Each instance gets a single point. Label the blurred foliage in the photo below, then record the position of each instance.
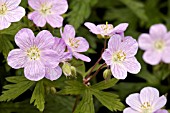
(66, 94)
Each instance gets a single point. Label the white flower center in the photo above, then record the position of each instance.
(33, 53)
(159, 45)
(3, 9)
(119, 56)
(74, 42)
(45, 9)
(146, 107)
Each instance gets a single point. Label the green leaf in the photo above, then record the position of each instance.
(80, 66)
(38, 95)
(61, 104)
(105, 84)
(110, 100)
(86, 105)
(80, 10)
(136, 7)
(5, 45)
(14, 90)
(73, 87)
(13, 29)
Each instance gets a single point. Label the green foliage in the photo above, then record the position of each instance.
(5, 45)
(108, 99)
(86, 105)
(80, 10)
(14, 90)
(13, 29)
(136, 7)
(38, 95)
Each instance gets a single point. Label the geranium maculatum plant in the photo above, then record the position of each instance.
(59, 56)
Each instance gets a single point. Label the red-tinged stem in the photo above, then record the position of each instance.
(98, 59)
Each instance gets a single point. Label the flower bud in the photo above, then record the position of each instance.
(66, 69)
(73, 71)
(107, 74)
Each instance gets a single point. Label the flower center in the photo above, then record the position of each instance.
(46, 9)
(3, 9)
(107, 27)
(74, 42)
(119, 56)
(33, 53)
(159, 45)
(146, 108)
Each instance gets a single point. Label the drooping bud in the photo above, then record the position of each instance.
(107, 74)
(73, 71)
(66, 69)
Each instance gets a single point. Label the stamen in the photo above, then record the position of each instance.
(119, 56)
(3, 9)
(33, 53)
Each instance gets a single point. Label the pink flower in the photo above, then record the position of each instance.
(156, 45)
(75, 44)
(59, 47)
(10, 12)
(106, 30)
(120, 56)
(49, 11)
(148, 101)
(34, 54)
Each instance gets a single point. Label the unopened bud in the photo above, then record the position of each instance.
(107, 74)
(73, 71)
(53, 90)
(66, 69)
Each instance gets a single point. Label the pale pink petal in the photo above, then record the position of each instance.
(17, 58)
(44, 40)
(69, 32)
(60, 6)
(66, 56)
(15, 15)
(159, 103)
(132, 65)
(152, 57)
(25, 38)
(149, 94)
(161, 111)
(37, 18)
(49, 58)
(12, 4)
(166, 55)
(120, 28)
(93, 28)
(129, 46)
(134, 102)
(59, 45)
(53, 73)
(107, 56)
(34, 70)
(130, 110)
(83, 45)
(157, 31)
(55, 20)
(81, 57)
(35, 4)
(119, 71)
(4, 23)
(166, 39)
(114, 43)
(145, 41)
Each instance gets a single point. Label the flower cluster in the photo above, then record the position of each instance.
(40, 56)
(43, 55)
